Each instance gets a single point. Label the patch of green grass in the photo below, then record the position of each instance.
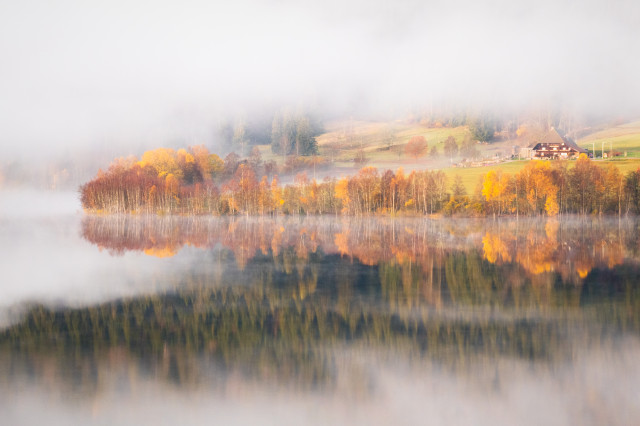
(625, 165)
(472, 175)
(622, 138)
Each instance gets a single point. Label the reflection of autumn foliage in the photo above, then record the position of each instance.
(536, 247)
(554, 249)
(340, 240)
(441, 290)
(494, 248)
(166, 251)
(539, 254)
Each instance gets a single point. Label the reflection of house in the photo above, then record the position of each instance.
(552, 145)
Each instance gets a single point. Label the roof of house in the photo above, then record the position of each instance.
(553, 136)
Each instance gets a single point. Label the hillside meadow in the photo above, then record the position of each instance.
(384, 147)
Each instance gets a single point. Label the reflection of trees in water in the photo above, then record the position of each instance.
(571, 251)
(569, 247)
(250, 332)
(417, 262)
(286, 295)
(287, 292)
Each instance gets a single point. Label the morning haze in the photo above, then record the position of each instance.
(320, 212)
(76, 75)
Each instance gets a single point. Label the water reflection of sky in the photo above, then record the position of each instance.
(320, 320)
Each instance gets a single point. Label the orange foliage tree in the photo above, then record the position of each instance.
(416, 146)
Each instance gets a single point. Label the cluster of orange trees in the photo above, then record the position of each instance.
(195, 181)
(552, 187)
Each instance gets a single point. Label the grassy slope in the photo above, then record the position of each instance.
(472, 175)
(625, 137)
(342, 144)
(372, 138)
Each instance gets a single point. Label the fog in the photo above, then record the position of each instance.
(45, 261)
(597, 388)
(77, 75)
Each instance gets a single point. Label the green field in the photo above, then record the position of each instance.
(622, 138)
(472, 175)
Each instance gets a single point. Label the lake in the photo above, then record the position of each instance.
(318, 320)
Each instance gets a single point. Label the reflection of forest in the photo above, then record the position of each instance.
(570, 248)
(286, 293)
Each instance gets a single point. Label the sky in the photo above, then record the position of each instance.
(77, 74)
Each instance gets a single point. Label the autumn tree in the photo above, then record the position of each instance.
(187, 163)
(342, 194)
(164, 160)
(367, 189)
(231, 162)
(202, 161)
(614, 186)
(457, 189)
(399, 190)
(385, 190)
(494, 190)
(242, 190)
(450, 147)
(632, 190)
(586, 185)
(416, 146)
(539, 188)
(216, 166)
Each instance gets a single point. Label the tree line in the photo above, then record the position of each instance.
(195, 181)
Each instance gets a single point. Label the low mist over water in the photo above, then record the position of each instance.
(131, 319)
(142, 287)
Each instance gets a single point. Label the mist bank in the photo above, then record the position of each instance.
(22, 203)
(599, 386)
(83, 75)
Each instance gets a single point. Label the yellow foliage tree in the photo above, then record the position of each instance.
(541, 192)
(495, 189)
(342, 193)
(164, 160)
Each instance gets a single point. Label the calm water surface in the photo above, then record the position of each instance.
(319, 320)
